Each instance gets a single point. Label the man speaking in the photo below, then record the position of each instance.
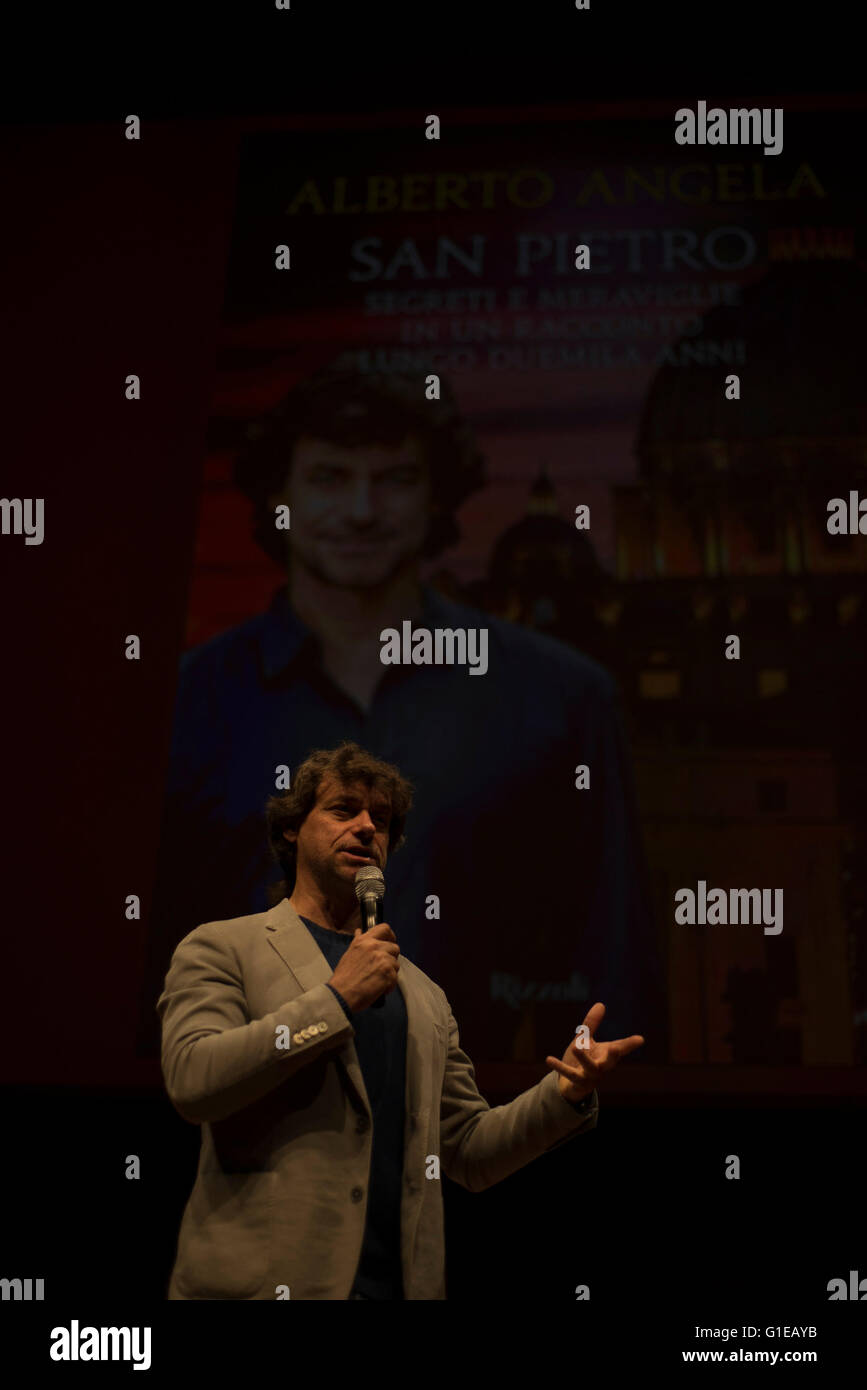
(325, 1121)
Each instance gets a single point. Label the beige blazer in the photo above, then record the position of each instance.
(279, 1201)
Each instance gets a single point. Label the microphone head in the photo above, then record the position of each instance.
(369, 882)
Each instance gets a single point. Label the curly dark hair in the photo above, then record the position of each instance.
(347, 407)
(348, 763)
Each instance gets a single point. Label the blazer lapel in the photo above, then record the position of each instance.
(295, 946)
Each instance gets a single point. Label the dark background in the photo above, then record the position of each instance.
(111, 266)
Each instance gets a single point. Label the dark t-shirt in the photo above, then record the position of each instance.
(380, 1041)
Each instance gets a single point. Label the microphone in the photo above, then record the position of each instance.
(370, 891)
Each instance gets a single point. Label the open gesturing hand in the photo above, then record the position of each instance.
(581, 1067)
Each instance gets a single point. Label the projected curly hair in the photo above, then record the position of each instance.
(348, 763)
(346, 407)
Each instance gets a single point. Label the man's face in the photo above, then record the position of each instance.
(357, 516)
(346, 829)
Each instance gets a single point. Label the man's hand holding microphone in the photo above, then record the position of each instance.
(368, 967)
